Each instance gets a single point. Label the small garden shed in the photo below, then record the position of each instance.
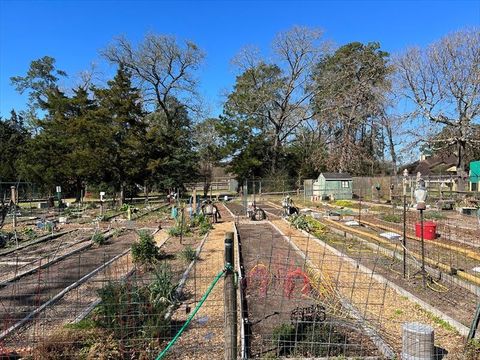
(333, 186)
(475, 176)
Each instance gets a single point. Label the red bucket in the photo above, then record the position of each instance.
(429, 230)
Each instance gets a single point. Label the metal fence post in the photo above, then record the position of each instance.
(230, 297)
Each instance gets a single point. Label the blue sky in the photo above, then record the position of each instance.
(73, 32)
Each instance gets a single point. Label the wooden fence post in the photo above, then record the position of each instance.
(230, 297)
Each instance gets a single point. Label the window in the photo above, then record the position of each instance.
(345, 184)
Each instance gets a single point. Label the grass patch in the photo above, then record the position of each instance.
(397, 219)
(99, 239)
(433, 215)
(188, 254)
(346, 203)
(472, 350)
(84, 324)
(437, 320)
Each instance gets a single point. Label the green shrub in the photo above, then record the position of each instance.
(99, 239)
(49, 226)
(188, 254)
(205, 228)
(145, 251)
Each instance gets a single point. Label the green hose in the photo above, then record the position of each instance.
(202, 300)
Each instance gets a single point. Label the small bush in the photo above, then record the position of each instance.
(145, 251)
(99, 239)
(188, 254)
(299, 221)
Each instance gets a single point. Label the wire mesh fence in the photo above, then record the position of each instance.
(340, 278)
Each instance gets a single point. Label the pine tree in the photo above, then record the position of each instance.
(120, 106)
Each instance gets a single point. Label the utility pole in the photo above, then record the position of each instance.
(230, 296)
(405, 179)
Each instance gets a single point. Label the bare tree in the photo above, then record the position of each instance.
(277, 94)
(164, 68)
(443, 83)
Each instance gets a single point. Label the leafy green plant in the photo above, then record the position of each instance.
(299, 221)
(188, 254)
(309, 224)
(162, 288)
(99, 239)
(145, 251)
(91, 205)
(124, 207)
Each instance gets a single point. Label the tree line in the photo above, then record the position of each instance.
(303, 108)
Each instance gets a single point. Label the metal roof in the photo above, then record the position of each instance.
(337, 176)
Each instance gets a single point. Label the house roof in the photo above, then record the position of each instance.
(337, 176)
(434, 165)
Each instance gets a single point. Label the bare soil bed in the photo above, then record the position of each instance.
(278, 293)
(451, 299)
(21, 297)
